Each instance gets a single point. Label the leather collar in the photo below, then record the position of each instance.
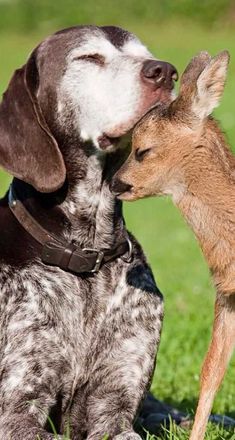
(67, 256)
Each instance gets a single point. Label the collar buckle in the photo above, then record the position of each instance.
(99, 258)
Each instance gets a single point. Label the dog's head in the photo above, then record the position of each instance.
(83, 83)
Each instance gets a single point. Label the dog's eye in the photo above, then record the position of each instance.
(140, 154)
(93, 58)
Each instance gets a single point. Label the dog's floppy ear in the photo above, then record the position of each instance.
(28, 150)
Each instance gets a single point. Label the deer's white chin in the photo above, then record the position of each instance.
(127, 196)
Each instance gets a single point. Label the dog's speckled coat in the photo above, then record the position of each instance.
(78, 348)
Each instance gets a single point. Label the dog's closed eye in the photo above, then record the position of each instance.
(93, 58)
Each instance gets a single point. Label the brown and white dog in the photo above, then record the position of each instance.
(77, 348)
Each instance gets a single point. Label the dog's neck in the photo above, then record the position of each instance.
(92, 208)
(84, 209)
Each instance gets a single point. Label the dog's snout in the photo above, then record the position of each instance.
(159, 72)
(117, 186)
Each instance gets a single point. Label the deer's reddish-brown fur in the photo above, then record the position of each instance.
(181, 151)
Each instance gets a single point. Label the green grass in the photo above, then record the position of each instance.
(178, 265)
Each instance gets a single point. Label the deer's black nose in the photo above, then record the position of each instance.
(119, 187)
(159, 73)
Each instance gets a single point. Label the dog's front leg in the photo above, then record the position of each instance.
(30, 373)
(23, 427)
(113, 402)
(123, 355)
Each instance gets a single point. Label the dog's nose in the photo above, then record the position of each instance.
(159, 73)
(118, 186)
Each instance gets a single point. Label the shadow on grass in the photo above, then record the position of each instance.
(172, 420)
(188, 406)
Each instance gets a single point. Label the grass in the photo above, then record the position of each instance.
(177, 262)
(175, 433)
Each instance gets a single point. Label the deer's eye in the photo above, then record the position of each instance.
(93, 58)
(140, 154)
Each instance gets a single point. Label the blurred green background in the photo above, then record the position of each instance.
(173, 31)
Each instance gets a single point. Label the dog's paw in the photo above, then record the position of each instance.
(58, 437)
(127, 435)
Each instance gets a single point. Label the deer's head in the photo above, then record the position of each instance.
(166, 139)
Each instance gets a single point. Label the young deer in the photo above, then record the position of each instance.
(181, 151)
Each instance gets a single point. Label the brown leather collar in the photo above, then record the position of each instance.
(67, 256)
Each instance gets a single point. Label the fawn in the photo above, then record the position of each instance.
(180, 150)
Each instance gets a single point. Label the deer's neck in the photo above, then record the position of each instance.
(208, 204)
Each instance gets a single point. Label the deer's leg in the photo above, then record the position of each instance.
(216, 361)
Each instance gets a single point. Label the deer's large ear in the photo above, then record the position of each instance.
(210, 85)
(192, 72)
(28, 150)
(201, 86)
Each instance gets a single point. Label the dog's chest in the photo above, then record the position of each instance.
(70, 328)
(68, 310)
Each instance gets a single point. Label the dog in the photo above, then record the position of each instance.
(81, 315)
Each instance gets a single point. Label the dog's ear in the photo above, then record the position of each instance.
(28, 150)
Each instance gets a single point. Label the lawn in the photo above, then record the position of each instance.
(176, 259)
